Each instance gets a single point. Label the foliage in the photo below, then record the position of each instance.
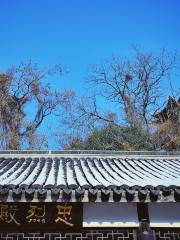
(113, 137)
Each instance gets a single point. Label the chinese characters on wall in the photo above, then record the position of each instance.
(7, 213)
(40, 215)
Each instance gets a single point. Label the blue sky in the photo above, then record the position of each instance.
(78, 33)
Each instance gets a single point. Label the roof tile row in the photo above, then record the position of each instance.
(89, 172)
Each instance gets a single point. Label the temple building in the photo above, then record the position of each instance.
(88, 195)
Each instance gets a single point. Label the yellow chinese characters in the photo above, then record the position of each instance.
(36, 214)
(64, 215)
(7, 213)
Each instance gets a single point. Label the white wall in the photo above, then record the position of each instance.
(125, 214)
(164, 214)
(110, 215)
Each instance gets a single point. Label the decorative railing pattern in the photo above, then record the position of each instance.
(128, 234)
(167, 234)
(84, 235)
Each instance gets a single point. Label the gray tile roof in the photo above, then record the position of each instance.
(105, 171)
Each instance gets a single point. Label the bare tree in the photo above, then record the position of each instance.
(134, 84)
(22, 90)
(79, 117)
(130, 87)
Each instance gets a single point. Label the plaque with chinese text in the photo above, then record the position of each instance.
(40, 216)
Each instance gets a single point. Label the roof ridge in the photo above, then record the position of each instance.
(88, 152)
